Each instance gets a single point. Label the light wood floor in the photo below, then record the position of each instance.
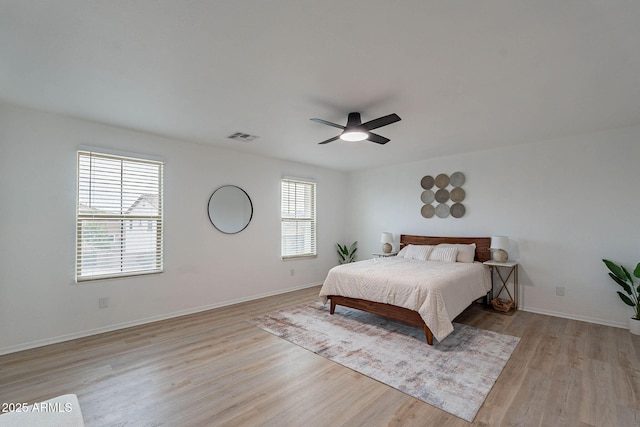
(213, 368)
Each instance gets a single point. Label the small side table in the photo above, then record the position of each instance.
(510, 268)
(384, 255)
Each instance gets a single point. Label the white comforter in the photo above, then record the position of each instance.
(438, 290)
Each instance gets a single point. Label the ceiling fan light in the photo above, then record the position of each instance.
(354, 135)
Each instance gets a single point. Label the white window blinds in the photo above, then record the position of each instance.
(118, 216)
(298, 233)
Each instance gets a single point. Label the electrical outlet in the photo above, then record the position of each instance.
(292, 272)
(103, 302)
(560, 291)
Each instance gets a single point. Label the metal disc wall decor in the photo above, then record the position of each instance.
(442, 195)
(457, 210)
(442, 180)
(442, 210)
(457, 179)
(428, 197)
(427, 182)
(427, 211)
(436, 203)
(457, 195)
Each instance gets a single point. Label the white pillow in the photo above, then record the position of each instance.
(466, 253)
(440, 253)
(402, 252)
(418, 252)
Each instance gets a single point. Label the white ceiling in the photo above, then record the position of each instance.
(464, 75)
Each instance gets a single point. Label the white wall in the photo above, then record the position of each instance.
(565, 204)
(39, 301)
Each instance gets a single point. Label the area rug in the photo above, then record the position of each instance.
(454, 375)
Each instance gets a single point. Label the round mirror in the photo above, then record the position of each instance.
(230, 209)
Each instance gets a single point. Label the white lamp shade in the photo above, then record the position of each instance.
(500, 242)
(386, 238)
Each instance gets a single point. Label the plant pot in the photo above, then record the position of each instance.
(634, 326)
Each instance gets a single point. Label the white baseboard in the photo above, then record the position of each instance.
(576, 317)
(109, 328)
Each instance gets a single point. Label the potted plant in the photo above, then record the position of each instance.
(346, 254)
(631, 296)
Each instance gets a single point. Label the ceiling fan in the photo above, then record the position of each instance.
(355, 130)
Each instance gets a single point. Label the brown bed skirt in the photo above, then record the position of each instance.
(389, 311)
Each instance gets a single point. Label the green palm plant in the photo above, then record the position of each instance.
(347, 254)
(623, 278)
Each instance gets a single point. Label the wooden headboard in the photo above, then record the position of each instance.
(482, 243)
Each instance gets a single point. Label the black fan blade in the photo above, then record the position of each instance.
(374, 137)
(324, 122)
(329, 140)
(382, 121)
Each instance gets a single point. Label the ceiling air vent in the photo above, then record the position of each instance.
(242, 137)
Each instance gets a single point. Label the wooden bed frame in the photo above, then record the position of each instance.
(402, 314)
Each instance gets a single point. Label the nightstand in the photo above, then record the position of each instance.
(505, 271)
(384, 255)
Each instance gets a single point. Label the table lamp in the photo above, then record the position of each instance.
(387, 241)
(500, 244)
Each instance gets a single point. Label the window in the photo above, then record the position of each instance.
(118, 216)
(298, 219)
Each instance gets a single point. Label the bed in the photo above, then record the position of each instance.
(418, 290)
